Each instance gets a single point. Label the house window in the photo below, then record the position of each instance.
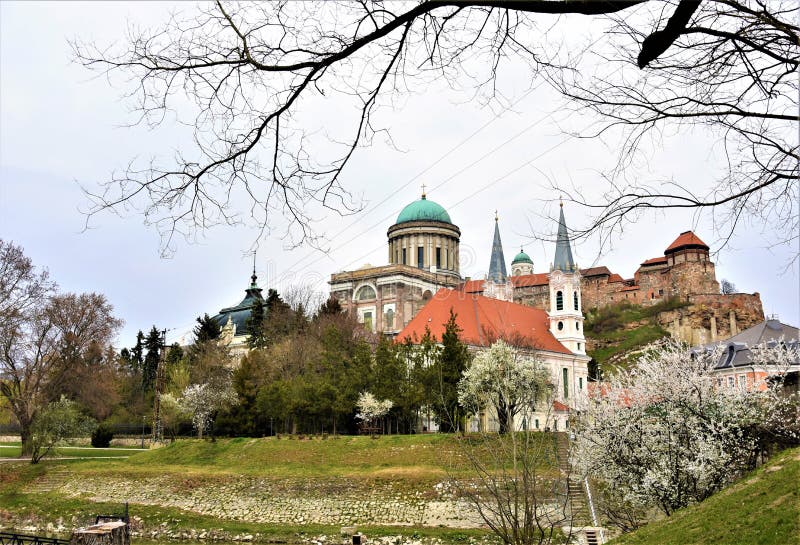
(438, 258)
(575, 299)
(660, 293)
(730, 382)
(565, 380)
(389, 319)
(368, 320)
(421, 257)
(559, 301)
(742, 382)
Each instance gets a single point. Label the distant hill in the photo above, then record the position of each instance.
(761, 509)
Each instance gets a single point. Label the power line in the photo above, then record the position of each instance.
(484, 188)
(444, 182)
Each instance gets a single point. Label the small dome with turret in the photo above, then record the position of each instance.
(522, 257)
(423, 210)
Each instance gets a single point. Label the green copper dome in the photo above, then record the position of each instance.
(424, 210)
(522, 257)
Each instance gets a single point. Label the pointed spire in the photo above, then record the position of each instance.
(497, 265)
(253, 284)
(563, 260)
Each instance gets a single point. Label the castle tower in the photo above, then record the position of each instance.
(497, 284)
(522, 264)
(566, 316)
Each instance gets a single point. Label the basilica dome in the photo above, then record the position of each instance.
(424, 210)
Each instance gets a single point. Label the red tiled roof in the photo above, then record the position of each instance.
(630, 288)
(615, 278)
(538, 279)
(560, 407)
(483, 320)
(654, 261)
(476, 286)
(472, 286)
(596, 271)
(687, 238)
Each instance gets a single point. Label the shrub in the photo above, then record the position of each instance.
(101, 436)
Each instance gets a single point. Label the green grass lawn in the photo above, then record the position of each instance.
(406, 465)
(14, 450)
(761, 509)
(406, 456)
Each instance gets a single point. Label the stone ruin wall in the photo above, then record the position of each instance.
(712, 317)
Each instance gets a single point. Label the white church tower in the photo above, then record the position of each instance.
(566, 315)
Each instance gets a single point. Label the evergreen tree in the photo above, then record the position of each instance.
(393, 381)
(154, 344)
(274, 302)
(125, 358)
(174, 355)
(255, 326)
(331, 307)
(207, 329)
(450, 365)
(137, 353)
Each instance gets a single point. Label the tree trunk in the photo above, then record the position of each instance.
(25, 436)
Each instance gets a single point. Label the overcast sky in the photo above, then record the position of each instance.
(61, 127)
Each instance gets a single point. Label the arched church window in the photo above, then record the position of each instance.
(575, 299)
(559, 301)
(365, 293)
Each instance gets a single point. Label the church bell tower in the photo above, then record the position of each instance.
(566, 314)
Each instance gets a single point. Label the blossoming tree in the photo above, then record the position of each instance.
(505, 380)
(664, 434)
(202, 401)
(371, 409)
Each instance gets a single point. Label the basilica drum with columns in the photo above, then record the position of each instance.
(423, 257)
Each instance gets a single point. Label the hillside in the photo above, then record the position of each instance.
(761, 509)
(615, 334)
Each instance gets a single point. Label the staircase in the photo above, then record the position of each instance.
(54, 478)
(575, 492)
(576, 495)
(592, 538)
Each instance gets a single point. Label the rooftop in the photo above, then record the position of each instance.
(484, 320)
(423, 210)
(687, 239)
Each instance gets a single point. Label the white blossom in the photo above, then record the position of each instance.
(202, 401)
(502, 378)
(663, 434)
(371, 408)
